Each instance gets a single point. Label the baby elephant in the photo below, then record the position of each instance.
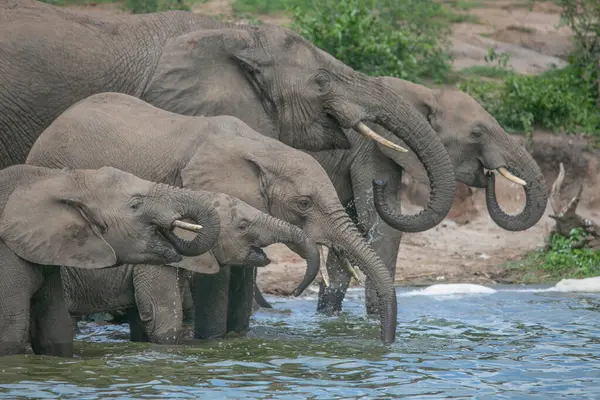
(89, 219)
(153, 294)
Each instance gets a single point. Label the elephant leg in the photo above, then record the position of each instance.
(331, 298)
(158, 302)
(186, 296)
(137, 329)
(241, 295)
(18, 281)
(51, 326)
(210, 294)
(384, 239)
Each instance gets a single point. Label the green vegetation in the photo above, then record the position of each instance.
(133, 6)
(384, 43)
(564, 100)
(562, 258)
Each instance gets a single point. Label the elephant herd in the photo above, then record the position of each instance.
(148, 155)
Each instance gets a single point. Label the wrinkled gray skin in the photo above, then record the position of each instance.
(220, 154)
(278, 83)
(88, 219)
(473, 139)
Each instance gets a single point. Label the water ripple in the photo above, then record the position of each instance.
(526, 344)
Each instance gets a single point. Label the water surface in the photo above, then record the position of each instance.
(517, 342)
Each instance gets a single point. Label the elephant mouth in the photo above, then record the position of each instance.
(256, 257)
(167, 249)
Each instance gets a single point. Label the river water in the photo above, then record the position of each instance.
(454, 341)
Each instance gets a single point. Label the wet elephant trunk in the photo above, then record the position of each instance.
(198, 208)
(395, 114)
(274, 230)
(347, 240)
(536, 193)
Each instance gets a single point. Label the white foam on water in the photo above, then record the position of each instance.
(445, 289)
(585, 285)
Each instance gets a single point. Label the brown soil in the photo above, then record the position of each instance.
(468, 246)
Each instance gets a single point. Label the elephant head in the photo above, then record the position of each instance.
(244, 232)
(284, 87)
(100, 218)
(292, 186)
(475, 142)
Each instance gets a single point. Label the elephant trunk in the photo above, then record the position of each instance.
(199, 208)
(347, 240)
(274, 230)
(395, 114)
(536, 194)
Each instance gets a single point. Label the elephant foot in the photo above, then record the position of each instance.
(53, 349)
(330, 300)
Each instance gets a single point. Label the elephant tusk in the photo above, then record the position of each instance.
(368, 132)
(350, 269)
(504, 172)
(187, 226)
(323, 268)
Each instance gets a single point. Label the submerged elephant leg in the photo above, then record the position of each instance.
(51, 326)
(137, 329)
(159, 302)
(331, 298)
(241, 296)
(211, 302)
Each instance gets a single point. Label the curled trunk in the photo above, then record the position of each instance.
(347, 240)
(395, 114)
(199, 209)
(536, 195)
(274, 230)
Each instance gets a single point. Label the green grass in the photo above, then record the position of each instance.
(560, 260)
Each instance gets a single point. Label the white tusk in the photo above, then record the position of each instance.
(504, 172)
(323, 267)
(368, 132)
(186, 226)
(350, 269)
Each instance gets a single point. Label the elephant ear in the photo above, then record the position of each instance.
(408, 161)
(45, 223)
(203, 264)
(186, 65)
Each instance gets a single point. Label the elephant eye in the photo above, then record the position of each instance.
(476, 134)
(303, 203)
(135, 204)
(243, 225)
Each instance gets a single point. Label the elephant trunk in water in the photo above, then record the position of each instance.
(199, 208)
(346, 239)
(396, 115)
(274, 230)
(536, 195)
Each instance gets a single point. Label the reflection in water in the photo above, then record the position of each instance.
(505, 344)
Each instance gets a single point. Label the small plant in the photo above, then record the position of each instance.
(500, 58)
(564, 260)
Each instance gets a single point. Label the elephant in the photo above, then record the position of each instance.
(88, 219)
(268, 76)
(152, 294)
(221, 154)
(475, 142)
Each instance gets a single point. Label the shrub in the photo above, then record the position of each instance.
(149, 6)
(398, 38)
(558, 100)
(564, 261)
